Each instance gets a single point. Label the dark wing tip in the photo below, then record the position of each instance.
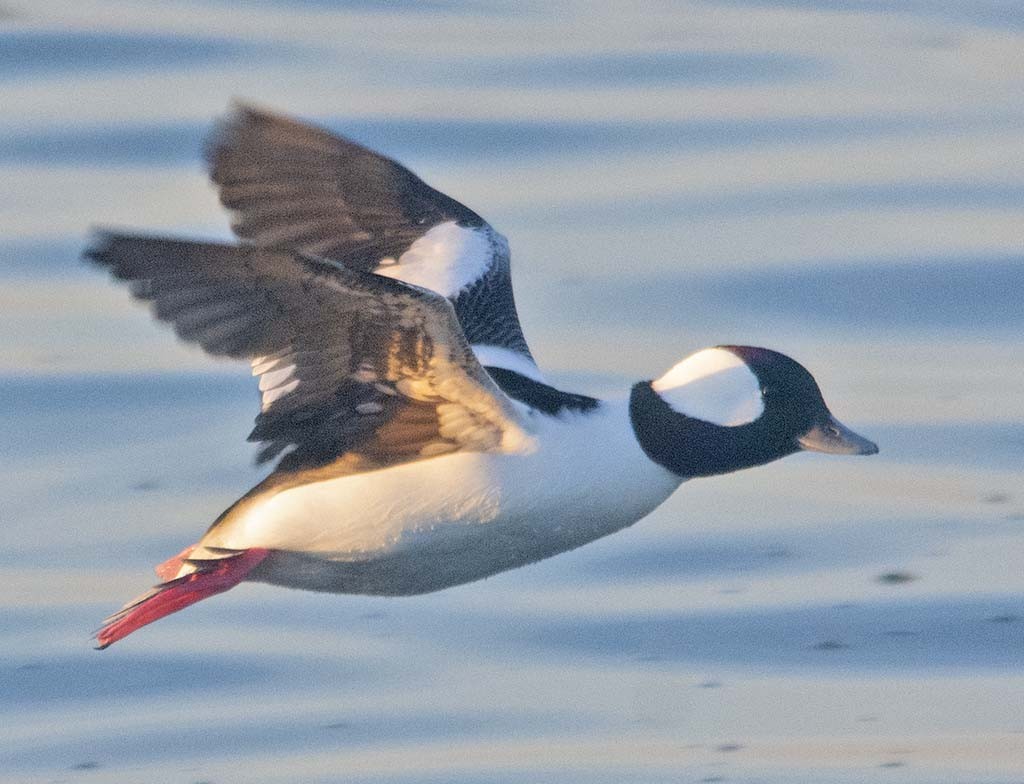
(120, 252)
(248, 125)
(239, 113)
(103, 247)
(98, 245)
(225, 129)
(241, 110)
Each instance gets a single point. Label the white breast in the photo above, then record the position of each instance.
(585, 478)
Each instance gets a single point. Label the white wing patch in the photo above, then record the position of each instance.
(446, 259)
(713, 385)
(276, 378)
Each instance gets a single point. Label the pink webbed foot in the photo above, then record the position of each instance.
(211, 577)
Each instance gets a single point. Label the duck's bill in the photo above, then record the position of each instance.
(835, 438)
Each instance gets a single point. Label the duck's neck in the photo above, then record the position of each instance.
(691, 447)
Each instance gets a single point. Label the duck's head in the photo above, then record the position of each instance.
(732, 407)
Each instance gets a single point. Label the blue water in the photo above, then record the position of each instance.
(840, 181)
(1002, 14)
(440, 139)
(27, 54)
(939, 295)
(634, 70)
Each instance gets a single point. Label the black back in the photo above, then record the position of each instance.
(539, 396)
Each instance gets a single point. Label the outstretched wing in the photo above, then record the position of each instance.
(294, 187)
(349, 362)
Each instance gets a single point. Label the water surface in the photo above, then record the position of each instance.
(840, 181)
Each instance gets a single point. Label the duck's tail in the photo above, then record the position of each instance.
(208, 577)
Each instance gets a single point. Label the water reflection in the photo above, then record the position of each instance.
(453, 139)
(954, 294)
(54, 680)
(996, 13)
(697, 68)
(45, 53)
(889, 635)
(777, 201)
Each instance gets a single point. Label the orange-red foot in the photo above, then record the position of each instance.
(211, 578)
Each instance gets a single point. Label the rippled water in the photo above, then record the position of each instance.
(839, 180)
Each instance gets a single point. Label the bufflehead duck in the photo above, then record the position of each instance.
(417, 444)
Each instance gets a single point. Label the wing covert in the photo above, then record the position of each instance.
(349, 362)
(294, 187)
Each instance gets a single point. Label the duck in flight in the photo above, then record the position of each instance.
(416, 445)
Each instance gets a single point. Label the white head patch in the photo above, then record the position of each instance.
(714, 385)
(446, 259)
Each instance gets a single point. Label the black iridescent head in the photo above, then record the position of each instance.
(733, 407)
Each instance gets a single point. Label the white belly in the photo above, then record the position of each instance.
(439, 522)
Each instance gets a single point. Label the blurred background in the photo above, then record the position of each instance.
(842, 181)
